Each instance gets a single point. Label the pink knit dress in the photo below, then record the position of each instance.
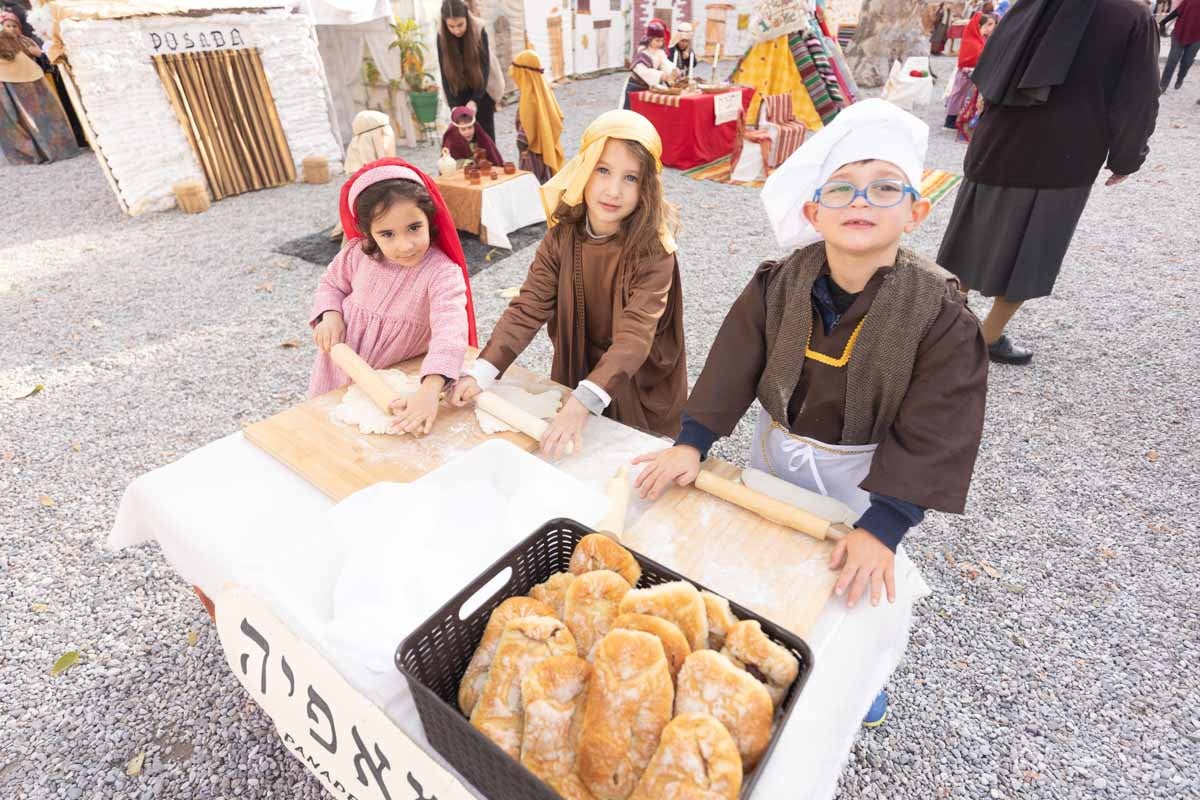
(393, 313)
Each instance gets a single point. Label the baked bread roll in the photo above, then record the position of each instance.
(629, 703)
(477, 669)
(553, 693)
(674, 644)
(773, 665)
(597, 551)
(525, 642)
(553, 591)
(710, 684)
(677, 601)
(720, 619)
(695, 758)
(593, 602)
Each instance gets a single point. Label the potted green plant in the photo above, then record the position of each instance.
(422, 91)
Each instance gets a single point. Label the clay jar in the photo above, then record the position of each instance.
(509, 168)
(494, 175)
(484, 165)
(480, 155)
(473, 177)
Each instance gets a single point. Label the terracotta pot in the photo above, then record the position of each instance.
(480, 154)
(494, 174)
(474, 177)
(509, 168)
(484, 165)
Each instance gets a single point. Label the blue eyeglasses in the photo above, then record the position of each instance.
(884, 193)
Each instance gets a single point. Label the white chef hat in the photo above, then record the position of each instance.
(869, 129)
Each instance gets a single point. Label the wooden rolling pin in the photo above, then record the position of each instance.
(363, 376)
(618, 496)
(517, 418)
(769, 508)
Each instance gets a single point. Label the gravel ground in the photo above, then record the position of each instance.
(1054, 659)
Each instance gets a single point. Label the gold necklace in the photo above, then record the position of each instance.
(830, 360)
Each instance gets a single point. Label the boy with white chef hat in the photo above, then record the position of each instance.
(870, 370)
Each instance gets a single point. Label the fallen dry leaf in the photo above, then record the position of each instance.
(31, 392)
(39, 608)
(1106, 553)
(65, 662)
(509, 293)
(134, 767)
(265, 286)
(1031, 776)
(193, 638)
(991, 571)
(290, 344)
(47, 501)
(9, 455)
(76, 446)
(949, 557)
(1152, 455)
(960, 664)
(1156, 527)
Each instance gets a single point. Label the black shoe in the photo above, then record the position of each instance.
(951, 121)
(1003, 351)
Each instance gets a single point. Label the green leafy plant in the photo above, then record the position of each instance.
(412, 56)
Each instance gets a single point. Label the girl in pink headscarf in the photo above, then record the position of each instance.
(398, 289)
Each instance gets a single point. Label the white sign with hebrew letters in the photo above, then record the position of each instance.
(343, 738)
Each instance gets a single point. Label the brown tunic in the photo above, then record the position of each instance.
(617, 325)
(927, 456)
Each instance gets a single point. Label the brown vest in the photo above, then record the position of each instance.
(880, 369)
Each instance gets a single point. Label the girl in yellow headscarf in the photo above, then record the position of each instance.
(605, 281)
(539, 119)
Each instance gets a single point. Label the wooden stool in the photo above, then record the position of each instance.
(191, 196)
(316, 169)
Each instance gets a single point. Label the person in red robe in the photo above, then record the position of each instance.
(463, 137)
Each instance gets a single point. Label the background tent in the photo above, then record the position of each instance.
(346, 31)
(117, 59)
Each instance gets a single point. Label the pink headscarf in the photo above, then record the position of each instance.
(447, 239)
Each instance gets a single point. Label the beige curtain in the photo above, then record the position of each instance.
(224, 103)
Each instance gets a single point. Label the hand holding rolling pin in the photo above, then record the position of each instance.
(329, 331)
(416, 413)
(565, 434)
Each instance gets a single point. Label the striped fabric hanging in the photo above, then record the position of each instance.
(818, 91)
(817, 50)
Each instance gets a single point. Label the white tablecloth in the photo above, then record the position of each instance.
(221, 513)
(507, 207)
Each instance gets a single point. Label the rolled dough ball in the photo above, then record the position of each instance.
(356, 407)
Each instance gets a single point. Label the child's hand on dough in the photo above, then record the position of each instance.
(465, 390)
(416, 413)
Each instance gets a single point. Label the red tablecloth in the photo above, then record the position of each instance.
(688, 134)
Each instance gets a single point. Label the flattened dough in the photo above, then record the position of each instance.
(543, 405)
(356, 407)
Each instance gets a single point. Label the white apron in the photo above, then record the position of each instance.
(832, 470)
(855, 649)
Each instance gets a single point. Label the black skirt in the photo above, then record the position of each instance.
(1006, 241)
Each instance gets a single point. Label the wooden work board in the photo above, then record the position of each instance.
(339, 460)
(774, 571)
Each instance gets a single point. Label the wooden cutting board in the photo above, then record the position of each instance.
(339, 460)
(774, 571)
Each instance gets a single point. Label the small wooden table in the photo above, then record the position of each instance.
(492, 209)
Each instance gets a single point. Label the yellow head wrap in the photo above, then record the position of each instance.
(541, 118)
(567, 186)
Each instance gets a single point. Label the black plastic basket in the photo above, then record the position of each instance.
(434, 657)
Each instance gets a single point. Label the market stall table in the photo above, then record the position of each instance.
(492, 209)
(687, 125)
(230, 514)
